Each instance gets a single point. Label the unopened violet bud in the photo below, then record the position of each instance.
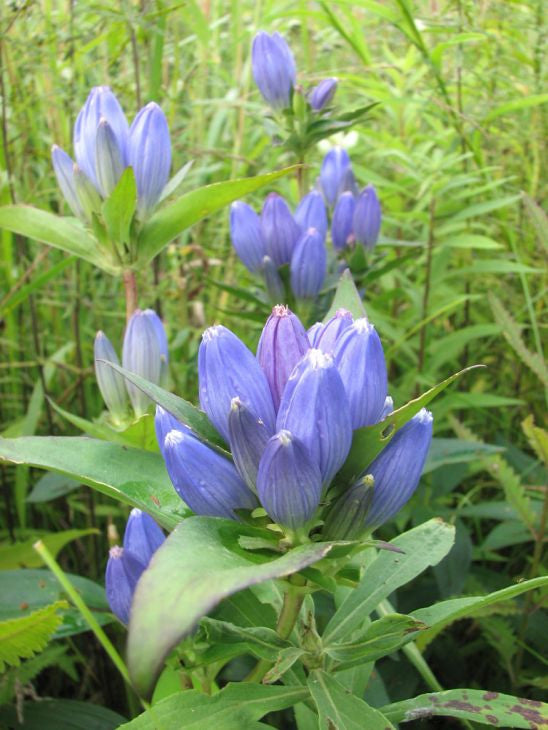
(273, 282)
(247, 239)
(289, 482)
(122, 574)
(315, 409)
(207, 482)
(89, 198)
(64, 172)
(327, 335)
(273, 69)
(322, 94)
(143, 536)
(367, 217)
(164, 422)
(387, 408)
(111, 384)
(226, 369)
(398, 468)
(346, 518)
(149, 153)
(333, 173)
(342, 233)
(282, 344)
(248, 437)
(162, 344)
(279, 229)
(311, 213)
(141, 355)
(109, 163)
(308, 265)
(360, 361)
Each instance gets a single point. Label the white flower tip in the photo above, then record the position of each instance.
(173, 438)
(116, 552)
(319, 359)
(424, 416)
(284, 437)
(363, 325)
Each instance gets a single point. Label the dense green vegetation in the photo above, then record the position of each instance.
(455, 149)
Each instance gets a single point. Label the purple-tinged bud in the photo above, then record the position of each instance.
(333, 173)
(109, 162)
(122, 574)
(387, 408)
(100, 104)
(322, 94)
(313, 332)
(342, 233)
(207, 482)
(63, 167)
(311, 213)
(289, 483)
(273, 282)
(164, 422)
(247, 239)
(89, 198)
(360, 361)
(273, 69)
(226, 369)
(315, 409)
(248, 436)
(398, 468)
(111, 384)
(327, 335)
(308, 265)
(279, 229)
(149, 153)
(142, 536)
(367, 217)
(141, 354)
(162, 344)
(346, 518)
(282, 344)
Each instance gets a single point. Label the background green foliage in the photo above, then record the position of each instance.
(454, 148)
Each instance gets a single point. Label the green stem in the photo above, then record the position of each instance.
(130, 287)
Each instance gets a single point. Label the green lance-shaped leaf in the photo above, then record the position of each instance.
(132, 476)
(346, 297)
(54, 714)
(21, 638)
(199, 564)
(488, 708)
(170, 221)
(23, 555)
(119, 208)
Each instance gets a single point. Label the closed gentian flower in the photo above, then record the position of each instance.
(109, 162)
(149, 153)
(334, 172)
(111, 384)
(308, 265)
(207, 482)
(367, 217)
(315, 409)
(143, 536)
(273, 282)
(342, 232)
(289, 482)
(346, 518)
(226, 369)
(141, 355)
(322, 94)
(282, 344)
(248, 437)
(360, 361)
(311, 213)
(122, 573)
(64, 172)
(162, 343)
(313, 331)
(279, 229)
(273, 68)
(88, 197)
(327, 334)
(247, 239)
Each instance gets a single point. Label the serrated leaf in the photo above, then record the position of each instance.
(22, 638)
(537, 437)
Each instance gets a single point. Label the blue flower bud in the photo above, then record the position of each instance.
(279, 229)
(111, 384)
(367, 217)
(89, 198)
(164, 422)
(109, 163)
(311, 213)
(342, 233)
(282, 344)
(326, 336)
(122, 573)
(149, 153)
(315, 409)
(142, 536)
(141, 354)
(346, 518)
(289, 483)
(308, 265)
(64, 172)
(248, 436)
(207, 482)
(247, 239)
(333, 173)
(273, 282)
(273, 69)
(162, 344)
(387, 408)
(322, 94)
(226, 369)
(360, 361)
